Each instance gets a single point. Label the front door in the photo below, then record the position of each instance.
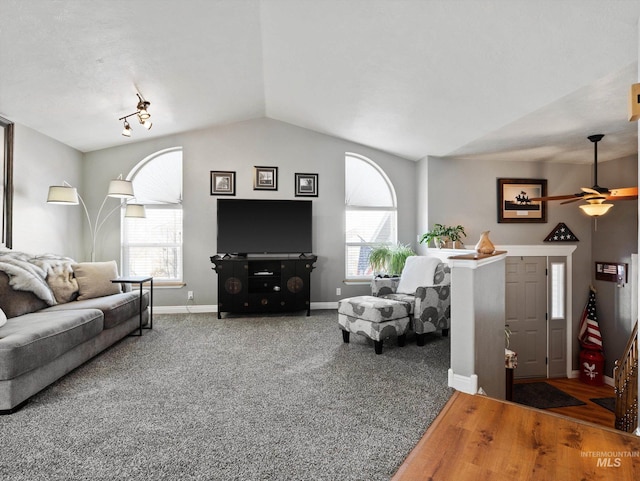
(526, 312)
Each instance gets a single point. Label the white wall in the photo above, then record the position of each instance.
(39, 161)
(238, 147)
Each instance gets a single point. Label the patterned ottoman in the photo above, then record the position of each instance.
(375, 318)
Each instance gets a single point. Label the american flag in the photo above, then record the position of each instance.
(589, 334)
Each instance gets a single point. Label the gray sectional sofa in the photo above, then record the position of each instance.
(59, 314)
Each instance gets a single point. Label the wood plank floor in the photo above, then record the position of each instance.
(591, 411)
(480, 438)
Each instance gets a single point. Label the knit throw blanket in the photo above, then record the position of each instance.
(48, 276)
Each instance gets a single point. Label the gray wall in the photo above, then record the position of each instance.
(464, 192)
(40, 161)
(238, 147)
(615, 239)
(455, 191)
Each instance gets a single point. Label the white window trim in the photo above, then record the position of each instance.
(354, 208)
(178, 282)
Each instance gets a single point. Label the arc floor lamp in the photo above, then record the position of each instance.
(119, 188)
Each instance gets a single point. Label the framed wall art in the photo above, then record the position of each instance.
(306, 185)
(265, 178)
(515, 204)
(223, 182)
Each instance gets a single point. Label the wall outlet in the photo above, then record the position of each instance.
(190, 295)
(338, 291)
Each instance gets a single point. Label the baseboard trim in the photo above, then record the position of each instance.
(193, 309)
(466, 384)
(323, 305)
(213, 308)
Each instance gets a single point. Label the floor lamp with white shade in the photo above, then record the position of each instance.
(119, 188)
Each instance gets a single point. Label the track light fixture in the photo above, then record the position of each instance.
(143, 117)
(127, 129)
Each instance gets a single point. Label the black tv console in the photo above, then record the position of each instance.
(264, 284)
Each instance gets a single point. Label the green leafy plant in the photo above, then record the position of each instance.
(389, 259)
(456, 233)
(441, 233)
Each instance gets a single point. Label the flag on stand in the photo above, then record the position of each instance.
(589, 334)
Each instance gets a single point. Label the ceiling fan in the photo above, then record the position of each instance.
(595, 195)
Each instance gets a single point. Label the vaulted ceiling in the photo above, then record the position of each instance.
(494, 79)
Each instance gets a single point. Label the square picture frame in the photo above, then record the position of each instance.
(514, 204)
(306, 185)
(265, 178)
(223, 182)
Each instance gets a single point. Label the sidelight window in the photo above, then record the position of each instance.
(558, 283)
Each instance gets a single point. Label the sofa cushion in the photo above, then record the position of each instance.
(94, 279)
(418, 271)
(16, 303)
(33, 340)
(116, 308)
(3, 318)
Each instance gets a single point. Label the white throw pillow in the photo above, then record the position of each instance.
(3, 318)
(418, 271)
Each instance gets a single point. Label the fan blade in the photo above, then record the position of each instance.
(572, 200)
(628, 192)
(621, 197)
(557, 197)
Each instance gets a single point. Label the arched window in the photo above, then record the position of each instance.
(153, 246)
(370, 212)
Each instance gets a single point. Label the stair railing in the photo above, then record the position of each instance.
(625, 374)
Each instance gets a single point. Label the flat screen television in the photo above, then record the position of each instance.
(259, 226)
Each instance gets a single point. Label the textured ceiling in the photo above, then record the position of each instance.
(494, 79)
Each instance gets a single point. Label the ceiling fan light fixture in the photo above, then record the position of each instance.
(595, 209)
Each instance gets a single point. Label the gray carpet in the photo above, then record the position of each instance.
(253, 398)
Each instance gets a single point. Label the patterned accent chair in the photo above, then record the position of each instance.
(374, 317)
(425, 285)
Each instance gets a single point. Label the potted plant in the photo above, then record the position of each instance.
(389, 259)
(455, 235)
(442, 234)
(437, 235)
